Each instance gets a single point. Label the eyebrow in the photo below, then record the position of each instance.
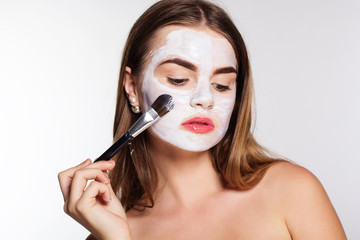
(225, 70)
(182, 63)
(192, 67)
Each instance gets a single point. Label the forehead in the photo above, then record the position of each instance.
(193, 44)
(161, 34)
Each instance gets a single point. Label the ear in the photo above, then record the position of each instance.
(130, 87)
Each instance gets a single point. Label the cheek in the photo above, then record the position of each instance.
(150, 88)
(168, 127)
(223, 109)
(151, 93)
(153, 89)
(225, 106)
(181, 108)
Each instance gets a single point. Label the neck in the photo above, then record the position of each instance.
(185, 178)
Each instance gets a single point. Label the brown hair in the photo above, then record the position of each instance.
(240, 160)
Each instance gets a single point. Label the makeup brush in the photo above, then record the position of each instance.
(161, 106)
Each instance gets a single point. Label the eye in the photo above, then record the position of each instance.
(221, 88)
(178, 82)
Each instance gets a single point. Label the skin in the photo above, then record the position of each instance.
(191, 201)
(202, 82)
(96, 207)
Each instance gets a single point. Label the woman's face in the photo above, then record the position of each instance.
(197, 67)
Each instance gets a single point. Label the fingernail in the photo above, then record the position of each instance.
(84, 161)
(107, 199)
(111, 162)
(88, 160)
(107, 181)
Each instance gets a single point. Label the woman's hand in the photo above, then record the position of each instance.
(96, 206)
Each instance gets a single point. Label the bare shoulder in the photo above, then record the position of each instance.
(289, 175)
(293, 186)
(286, 169)
(286, 183)
(303, 201)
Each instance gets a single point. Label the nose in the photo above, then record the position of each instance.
(202, 98)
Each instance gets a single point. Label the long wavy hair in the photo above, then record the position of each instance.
(238, 158)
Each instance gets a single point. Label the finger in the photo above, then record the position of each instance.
(81, 177)
(65, 177)
(116, 206)
(88, 199)
(103, 165)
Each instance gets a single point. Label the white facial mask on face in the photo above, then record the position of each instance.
(207, 53)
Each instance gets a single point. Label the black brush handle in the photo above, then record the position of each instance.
(119, 144)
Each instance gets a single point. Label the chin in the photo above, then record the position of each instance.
(191, 145)
(186, 140)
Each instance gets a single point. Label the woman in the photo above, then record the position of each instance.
(198, 173)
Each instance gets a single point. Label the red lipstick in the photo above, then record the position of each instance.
(199, 125)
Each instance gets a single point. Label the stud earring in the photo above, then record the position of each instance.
(135, 109)
(132, 99)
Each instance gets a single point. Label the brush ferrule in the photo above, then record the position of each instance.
(145, 121)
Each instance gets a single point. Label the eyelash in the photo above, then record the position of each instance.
(178, 82)
(221, 88)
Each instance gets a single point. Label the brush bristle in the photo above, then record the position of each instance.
(163, 104)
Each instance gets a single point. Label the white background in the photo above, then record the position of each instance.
(59, 63)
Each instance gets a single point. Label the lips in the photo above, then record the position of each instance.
(199, 125)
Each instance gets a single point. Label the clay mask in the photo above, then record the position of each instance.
(204, 97)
